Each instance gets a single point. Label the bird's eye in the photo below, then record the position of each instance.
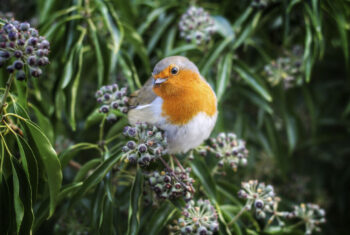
(174, 70)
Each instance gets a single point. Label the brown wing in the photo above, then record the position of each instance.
(142, 96)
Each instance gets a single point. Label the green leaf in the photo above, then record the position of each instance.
(257, 100)
(160, 217)
(224, 75)
(307, 57)
(108, 18)
(54, 28)
(135, 201)
(68, 69)
(252, 81)
(117, 128)
(291, 132)
(94, 118)
(207, 62)
(30, 164)
(223, 26)
(60, 104)
(182, 49)
(96, 177)
(18, 205)
(74, 89)
(162, 25)
(43, 210)
(44, 123)
(107, 226)
(133, 70)
(200, 169)
(22, 93)
(48, 5)
(292, 4)
(248, 30)
(69, 153)
(26, 199)
(99, 58)
(152, 16)
(135, 39)
(84, 170)
(49, 159)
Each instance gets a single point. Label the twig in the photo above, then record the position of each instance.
(74, 164)
(173, 174)
(178, 163)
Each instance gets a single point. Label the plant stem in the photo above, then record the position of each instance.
(296, 225)
(102, 124)
(74, 164)
(238, 215)
(178, 163)
(4, 97)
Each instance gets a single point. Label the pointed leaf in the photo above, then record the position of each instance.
(49, 159)
(134, 207)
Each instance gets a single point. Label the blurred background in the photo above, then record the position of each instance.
(280, 69)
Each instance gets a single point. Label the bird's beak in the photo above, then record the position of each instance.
(159, 81)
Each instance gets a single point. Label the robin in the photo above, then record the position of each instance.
(178, 100)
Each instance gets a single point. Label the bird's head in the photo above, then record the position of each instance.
(174, 74)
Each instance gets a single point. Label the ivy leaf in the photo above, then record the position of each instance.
(49, 160)
(134, 207)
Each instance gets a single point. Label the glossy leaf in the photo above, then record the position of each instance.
(134, 207)
(49, 159)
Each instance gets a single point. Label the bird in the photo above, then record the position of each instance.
(178, 100)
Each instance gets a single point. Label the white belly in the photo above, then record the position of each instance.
(180, 138)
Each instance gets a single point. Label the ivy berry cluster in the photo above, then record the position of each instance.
(21, 46)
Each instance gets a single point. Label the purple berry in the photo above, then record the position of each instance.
(131, 144)
(40, 53)
(35, 72)
(142, 148)
(106, 96)
(31, 60)
(18, 54)
(12, 35)
(259, 204)
(29, 50)
(18, 64)
(20, 75)
(41, 62)
(104, 109)
(126, 130)
(45, 60)
(32, 41)
(10, 69)
(125, 149)
(20, 42)
(9, 28)
(131, 132)
(11, 44)
(24, 26)
(4, 54)
(45, 44)
(33, 32)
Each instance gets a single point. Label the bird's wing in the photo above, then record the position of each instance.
(143, 96)
(142, 105)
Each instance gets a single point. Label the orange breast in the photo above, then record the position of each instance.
(184, 96)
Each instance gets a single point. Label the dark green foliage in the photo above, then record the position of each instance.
(62, 165)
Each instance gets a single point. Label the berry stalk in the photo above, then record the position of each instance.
(238, 215)
(7, 90)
